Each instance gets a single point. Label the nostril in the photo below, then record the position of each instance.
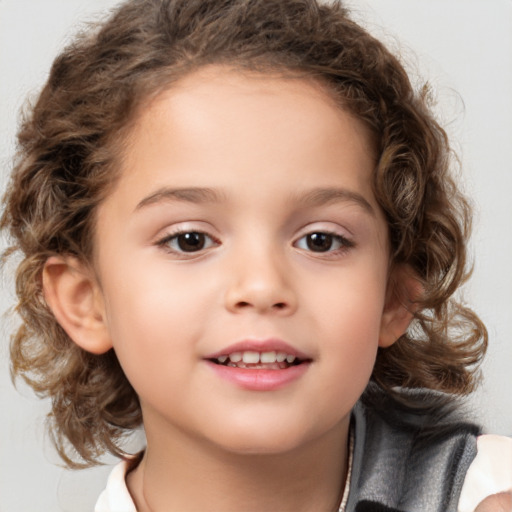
(243, 304)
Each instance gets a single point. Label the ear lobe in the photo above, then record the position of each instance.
(72, 293)
(404, 290)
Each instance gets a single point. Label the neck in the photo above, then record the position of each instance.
(192, 475)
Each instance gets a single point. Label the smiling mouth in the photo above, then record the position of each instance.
(253, 360)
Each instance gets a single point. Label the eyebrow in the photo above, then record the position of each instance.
(190, 195)
(200, 195)
(321, 196)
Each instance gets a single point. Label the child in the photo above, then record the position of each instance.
(239, 228)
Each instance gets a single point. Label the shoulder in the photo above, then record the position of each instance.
(412, 450)
(116, 497)
(489, 473)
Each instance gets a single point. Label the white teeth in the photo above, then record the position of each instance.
(268, 357)
(280, 357)
(235, 357)
(251, 357)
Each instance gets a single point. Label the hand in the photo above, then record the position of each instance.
(501, 502)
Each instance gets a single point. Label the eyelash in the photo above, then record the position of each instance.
(344, 243)
(167, 240)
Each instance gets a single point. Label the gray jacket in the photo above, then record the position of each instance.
(410, 454)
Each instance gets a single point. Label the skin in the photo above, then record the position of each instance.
(265, 146)
(501, 502)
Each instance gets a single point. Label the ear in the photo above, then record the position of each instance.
(74, 296)
(404, 290)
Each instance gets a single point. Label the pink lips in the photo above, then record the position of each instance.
(259, 379)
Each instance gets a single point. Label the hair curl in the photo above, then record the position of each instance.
(69, 148)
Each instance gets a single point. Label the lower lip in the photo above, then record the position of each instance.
(260, 379)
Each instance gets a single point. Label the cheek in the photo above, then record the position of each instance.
(149, 295)
(153, 321)
(352, 301)
(352, 341)
(348, 314)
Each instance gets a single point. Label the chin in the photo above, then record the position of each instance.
(278, 440)
(263, 447)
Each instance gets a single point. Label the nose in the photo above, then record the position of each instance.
(260, 282)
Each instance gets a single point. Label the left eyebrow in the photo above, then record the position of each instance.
(322, 196)
(189, 195)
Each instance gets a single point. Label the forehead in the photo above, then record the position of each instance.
(223, 129)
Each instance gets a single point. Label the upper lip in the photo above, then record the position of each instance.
(260, 345)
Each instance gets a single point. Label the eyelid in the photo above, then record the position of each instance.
(172, 236)
(345, 241)
(185, 226)
(331, 228)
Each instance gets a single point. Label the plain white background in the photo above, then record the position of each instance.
(464, 48)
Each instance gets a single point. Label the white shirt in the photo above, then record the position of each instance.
(489, 473)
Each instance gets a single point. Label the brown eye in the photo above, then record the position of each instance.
(323, 241)
(319, 242)
(188, 242)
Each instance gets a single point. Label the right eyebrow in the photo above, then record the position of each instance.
(321, 196)
(190, 195)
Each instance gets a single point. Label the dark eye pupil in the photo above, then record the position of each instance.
(319, 242)
(190, 242)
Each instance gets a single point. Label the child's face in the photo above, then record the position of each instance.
(286, 252)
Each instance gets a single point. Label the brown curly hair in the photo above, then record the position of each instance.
(68, 156)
